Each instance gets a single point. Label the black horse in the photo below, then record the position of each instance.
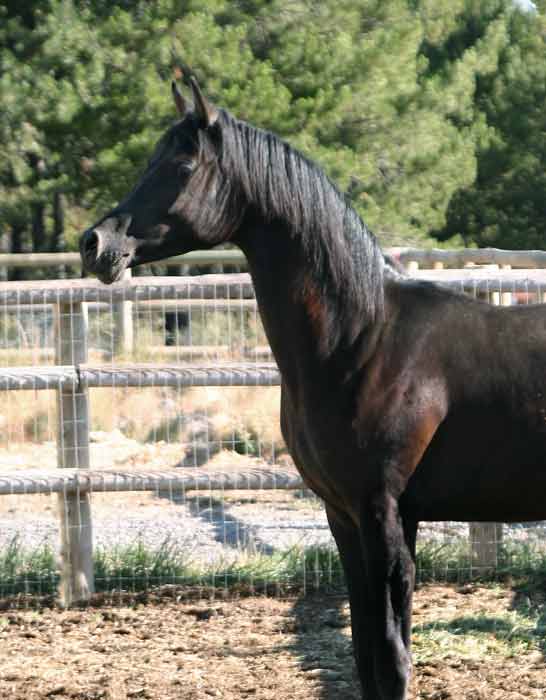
(401, 401)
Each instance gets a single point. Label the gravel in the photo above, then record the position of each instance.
(209, 528)
(208, 534)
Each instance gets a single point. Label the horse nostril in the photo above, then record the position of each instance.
(91, 243)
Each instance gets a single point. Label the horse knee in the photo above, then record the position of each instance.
(382, 534)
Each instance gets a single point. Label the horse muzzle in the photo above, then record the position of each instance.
(106, 251)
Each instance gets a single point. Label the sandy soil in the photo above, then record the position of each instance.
(258, 648)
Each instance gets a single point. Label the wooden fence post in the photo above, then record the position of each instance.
(493, 297)
(123, 324)
(506, 297)
(76, 555)
(485, 538)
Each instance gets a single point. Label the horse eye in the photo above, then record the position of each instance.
(185, 168)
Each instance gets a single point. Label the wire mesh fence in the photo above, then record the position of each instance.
(165, 392)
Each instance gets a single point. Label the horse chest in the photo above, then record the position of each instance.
(318, 446)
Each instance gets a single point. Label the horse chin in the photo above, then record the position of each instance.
(110, 277)
(110, 274)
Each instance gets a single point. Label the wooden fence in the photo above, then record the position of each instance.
(72, 376)
(527, 259)
(411, 258)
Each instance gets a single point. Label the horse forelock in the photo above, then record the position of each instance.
(284, 185)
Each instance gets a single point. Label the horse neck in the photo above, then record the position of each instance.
(310, 323)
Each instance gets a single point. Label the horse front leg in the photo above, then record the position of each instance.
(390, 577)
(348, 540)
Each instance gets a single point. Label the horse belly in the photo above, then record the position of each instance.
(476, 470)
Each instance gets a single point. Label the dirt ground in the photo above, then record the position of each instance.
(260, 648)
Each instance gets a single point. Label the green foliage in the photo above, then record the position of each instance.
(505, 204)
(135, 567)
(428, 113)
(30, 572)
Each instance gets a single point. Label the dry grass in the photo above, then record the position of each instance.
(27, 416)
(117, 689)
(248, 415)
(239, 409)
(146, 414)
(124, 419)
(266, 649)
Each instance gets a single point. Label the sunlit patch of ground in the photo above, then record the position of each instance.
(470, 643)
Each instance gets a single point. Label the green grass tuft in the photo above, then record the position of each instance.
(27, 571)
(135, 567)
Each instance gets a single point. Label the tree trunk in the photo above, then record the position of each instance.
(38, 227)
(4, 248)
(58, 244)
(17, 246)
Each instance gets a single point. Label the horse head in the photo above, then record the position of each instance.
(176, 205)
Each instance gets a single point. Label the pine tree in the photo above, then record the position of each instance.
(428, 113)
(505, 205)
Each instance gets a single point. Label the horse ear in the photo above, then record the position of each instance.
(179, 100)
(206, 112)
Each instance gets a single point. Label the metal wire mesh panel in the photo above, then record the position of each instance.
(166, 392)
(176, 379)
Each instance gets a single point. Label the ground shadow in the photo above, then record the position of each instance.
(227, 529)
(324, 646)
(320, 621)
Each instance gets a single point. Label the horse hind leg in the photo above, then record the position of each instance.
(405, 582)
(390, 575)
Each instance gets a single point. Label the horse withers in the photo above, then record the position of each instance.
(401, 401)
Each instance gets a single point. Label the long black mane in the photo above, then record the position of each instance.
(287, 187)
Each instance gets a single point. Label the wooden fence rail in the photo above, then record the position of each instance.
(226, 289)
(425, 258)
(239, 286)
(81, 481)
(72, 377)
(75, 378)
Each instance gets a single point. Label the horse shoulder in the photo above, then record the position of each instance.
(403, 395)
